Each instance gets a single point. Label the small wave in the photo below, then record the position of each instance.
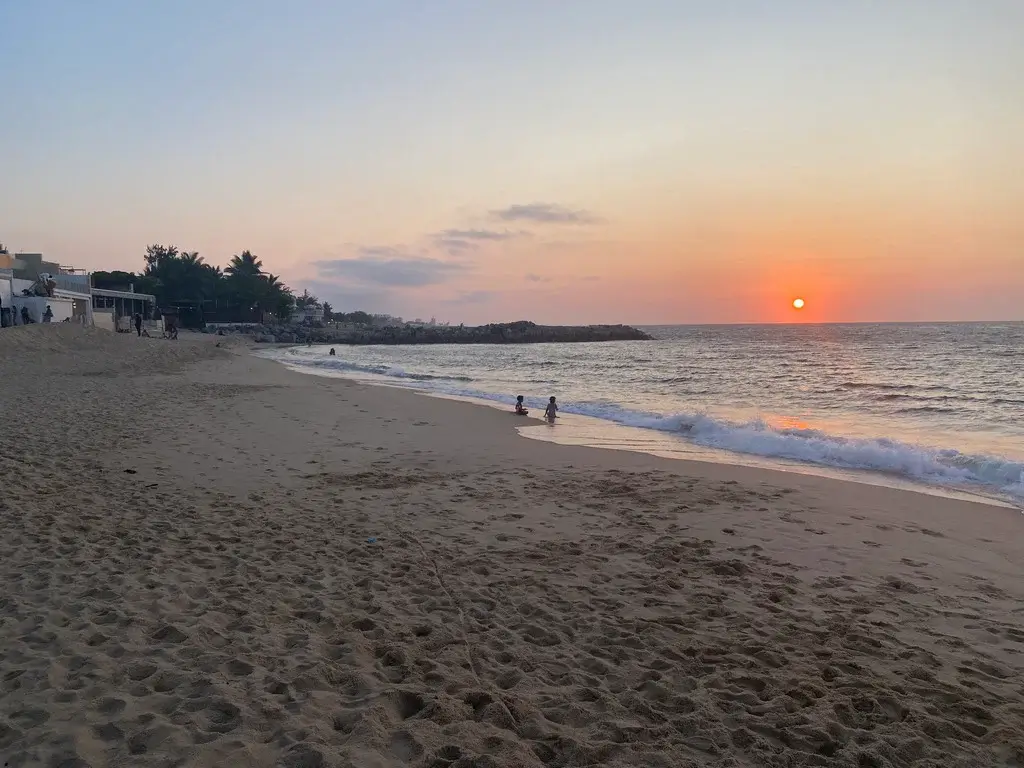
(946, 467)
(927, 409)
(759, 438)
(893, 387)
(333, 364)
(900, 396)
(813, 446)
(870, 385)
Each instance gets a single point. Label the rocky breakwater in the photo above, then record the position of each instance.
(523, 332)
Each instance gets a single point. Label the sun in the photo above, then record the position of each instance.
(798, 303)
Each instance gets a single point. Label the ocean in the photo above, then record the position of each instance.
(936, 407)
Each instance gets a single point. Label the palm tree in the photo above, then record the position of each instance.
(244, 265)
(307, 299)
(245, 276)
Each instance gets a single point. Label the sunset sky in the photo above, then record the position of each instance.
(654, 161)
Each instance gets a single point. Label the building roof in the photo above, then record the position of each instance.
(123, 294)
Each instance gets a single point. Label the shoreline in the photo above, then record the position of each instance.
(213, 558)
(613, 436)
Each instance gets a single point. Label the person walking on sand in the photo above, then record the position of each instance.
(551, 410)
(138, 323)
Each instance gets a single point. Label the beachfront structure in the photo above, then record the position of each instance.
(114, 310)
(72, 299)
(311, 313)
(72, 294)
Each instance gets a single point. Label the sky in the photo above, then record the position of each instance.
(578, 161)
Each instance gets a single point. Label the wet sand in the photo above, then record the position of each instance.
(209, 560)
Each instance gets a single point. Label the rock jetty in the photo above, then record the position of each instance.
(523, 332)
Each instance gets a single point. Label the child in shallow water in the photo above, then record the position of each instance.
(520, 408)
(551, 410)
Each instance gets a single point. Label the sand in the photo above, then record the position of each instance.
(210, 560)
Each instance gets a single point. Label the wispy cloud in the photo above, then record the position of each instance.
(472, 297)
(545, 213)
(460, 240)
(391, 267)
(480, 234)
(347, 298)
(532, 278)
(382, 252)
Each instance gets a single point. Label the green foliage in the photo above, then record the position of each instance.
(356, 318)
(242, 291)
(307, 299)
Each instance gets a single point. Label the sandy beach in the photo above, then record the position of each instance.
(210, 560)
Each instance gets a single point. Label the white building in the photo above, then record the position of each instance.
(114, 310)
(72, 294)
(311, 313)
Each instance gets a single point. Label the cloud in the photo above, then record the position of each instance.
(472, 297)
(479, 234)
(532, 278)
(346, 298)
(391, 267)
(459, 240)
(382, 251)
(545, 213)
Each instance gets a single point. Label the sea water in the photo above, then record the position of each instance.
(934, 404)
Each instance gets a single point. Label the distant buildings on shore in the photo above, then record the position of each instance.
(38, 290)
(29, 284)
(308, 315)
(65, 290)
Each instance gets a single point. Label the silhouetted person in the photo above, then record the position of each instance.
(552, 410)
(138, 323)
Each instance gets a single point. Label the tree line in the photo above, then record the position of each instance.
(242, 291)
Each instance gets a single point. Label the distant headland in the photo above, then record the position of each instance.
(521, 332)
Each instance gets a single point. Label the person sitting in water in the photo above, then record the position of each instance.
(332, 352)
(520, 409)
(551, 410)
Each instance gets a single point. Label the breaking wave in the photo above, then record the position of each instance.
(932, 465)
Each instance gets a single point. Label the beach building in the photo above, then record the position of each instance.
(311, 313)
(6, 282)
(114, 310)
(69, 294)
(65, 290)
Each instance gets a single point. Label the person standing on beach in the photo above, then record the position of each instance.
(138, 323)
(551, 410)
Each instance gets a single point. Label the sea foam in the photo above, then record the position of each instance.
(941, 466)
